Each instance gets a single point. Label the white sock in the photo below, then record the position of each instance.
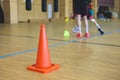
(80, 30)
(87, 29)
(97, 25)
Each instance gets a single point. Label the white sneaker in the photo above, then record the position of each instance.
(76, 29)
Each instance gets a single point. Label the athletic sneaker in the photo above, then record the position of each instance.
(79, 35)
(101, 31)
(76, 29)
(87, 35)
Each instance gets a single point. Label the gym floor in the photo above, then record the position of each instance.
(95, 58)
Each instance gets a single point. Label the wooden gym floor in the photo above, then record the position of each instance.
(95, 58)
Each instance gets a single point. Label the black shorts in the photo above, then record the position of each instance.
(80, 7)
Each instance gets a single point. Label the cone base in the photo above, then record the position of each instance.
(43, 70)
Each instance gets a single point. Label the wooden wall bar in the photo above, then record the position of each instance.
(15, 11)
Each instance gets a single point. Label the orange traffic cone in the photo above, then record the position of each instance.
(43, 63)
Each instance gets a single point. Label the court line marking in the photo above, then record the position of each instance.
(98, 44)
(26, 36)
(54, 45)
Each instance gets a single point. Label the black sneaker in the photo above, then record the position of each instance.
(101, 31)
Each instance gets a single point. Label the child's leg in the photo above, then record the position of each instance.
(79, 22)
(79, 33)
(76, 28)
(86, 23)
(98, 26)
(86, 26)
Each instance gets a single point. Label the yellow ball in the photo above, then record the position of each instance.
(67, 20)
